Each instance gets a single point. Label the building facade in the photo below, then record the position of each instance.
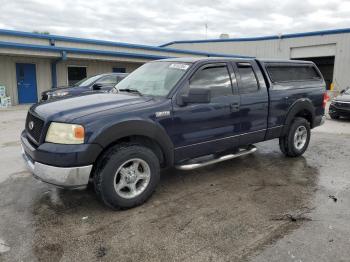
(31, 63)
(329, 49)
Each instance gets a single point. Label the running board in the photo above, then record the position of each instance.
(243, 152)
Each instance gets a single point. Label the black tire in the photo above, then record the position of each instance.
(109, 164)
(287, 144)
(334, 116)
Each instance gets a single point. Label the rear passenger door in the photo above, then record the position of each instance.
(253, 102)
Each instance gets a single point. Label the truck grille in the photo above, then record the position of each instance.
(34, 126)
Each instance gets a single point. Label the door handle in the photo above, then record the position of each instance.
(234, 107)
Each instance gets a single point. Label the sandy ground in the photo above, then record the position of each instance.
(262, 207)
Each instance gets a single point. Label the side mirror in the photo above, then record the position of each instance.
(97, 87)
(196, 95)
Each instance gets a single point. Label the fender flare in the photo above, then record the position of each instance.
(302, 104)
(139, 127)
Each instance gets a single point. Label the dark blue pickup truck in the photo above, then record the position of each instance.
(185, 113)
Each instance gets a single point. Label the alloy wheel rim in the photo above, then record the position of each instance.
(300, 137)
(132, 178)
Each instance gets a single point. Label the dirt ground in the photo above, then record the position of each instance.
(261, 207)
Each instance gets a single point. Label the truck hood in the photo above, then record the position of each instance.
(62, 88)
(71, 108)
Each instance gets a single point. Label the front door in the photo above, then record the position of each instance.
(26, 83)
(206, 128)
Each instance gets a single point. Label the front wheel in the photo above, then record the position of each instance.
(297, 139)
(126, 176)
(334, 115)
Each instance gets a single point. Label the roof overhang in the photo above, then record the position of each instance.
(263, 38)
(98, 48)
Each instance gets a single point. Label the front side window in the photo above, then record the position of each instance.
(87, 81)
(215, 77)
(120, 78)
(154, 78)
(248, 83)
(107, 80)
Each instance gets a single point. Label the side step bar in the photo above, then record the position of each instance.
(192, 166)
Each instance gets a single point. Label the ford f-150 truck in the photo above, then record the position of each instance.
(185, 113)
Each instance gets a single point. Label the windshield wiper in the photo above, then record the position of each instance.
(130, 90)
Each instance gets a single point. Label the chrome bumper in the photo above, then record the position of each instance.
(66, 177)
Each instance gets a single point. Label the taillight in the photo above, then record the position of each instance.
(325, 99)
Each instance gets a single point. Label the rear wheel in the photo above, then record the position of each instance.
(126, 176)
(297, 139)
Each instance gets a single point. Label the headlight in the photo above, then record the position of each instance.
(59, 93)
(61, 133)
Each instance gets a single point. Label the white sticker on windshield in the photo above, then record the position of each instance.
(179, 66)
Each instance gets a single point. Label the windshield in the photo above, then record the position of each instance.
(155, 78)
(87, 81)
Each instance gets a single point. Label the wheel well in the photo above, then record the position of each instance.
(141, 140)
(307, 115)
(147, 142)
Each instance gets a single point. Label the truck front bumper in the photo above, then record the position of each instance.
(65, 177)
(53, 165)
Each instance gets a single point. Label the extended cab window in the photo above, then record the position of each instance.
(248, 83)
(214, 77)
(289, 73)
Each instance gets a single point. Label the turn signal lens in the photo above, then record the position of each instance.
(79, 132)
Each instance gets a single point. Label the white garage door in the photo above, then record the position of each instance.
(313, 51)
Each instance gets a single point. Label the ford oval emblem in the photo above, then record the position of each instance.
(31, 125)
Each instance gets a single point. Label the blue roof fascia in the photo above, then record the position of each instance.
(77, 50)
(261, 38)
(108, 43)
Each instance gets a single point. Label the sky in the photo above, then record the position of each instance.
(153, 22)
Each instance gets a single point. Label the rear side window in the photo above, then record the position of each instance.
(248, 83)
(289, 73)
(216, 78)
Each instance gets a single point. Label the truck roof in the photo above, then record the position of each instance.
(284, 61)
(200, 59)
(197, 59)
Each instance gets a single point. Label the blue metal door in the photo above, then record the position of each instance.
(26, 83)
